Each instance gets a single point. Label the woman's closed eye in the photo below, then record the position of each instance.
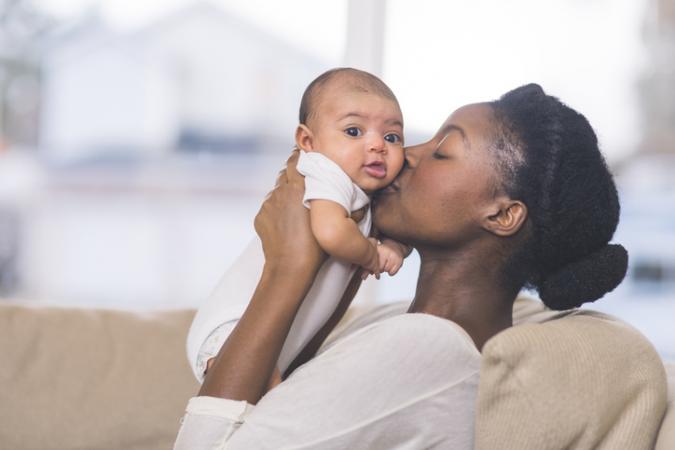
(353, 132)
(438, 155)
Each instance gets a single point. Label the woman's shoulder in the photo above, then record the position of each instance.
(391, 325)
(360, 316)
(388, 380)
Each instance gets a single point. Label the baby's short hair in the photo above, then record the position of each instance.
(357, 80)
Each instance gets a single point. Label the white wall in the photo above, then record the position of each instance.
(200, 69)
(97, 99)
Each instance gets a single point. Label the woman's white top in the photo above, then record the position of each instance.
(218, 315)
(387, 381)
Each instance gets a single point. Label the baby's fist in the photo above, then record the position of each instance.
(390, 258)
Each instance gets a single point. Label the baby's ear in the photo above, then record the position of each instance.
(304, 138)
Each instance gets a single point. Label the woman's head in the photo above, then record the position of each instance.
(523, 179)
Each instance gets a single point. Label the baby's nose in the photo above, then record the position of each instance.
(376, 143)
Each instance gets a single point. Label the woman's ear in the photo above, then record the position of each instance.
(304, 138)
(506, 217)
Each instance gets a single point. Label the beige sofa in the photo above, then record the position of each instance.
(99, 379)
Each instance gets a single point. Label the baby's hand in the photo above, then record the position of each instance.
(391, 258)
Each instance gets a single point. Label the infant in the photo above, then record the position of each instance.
(351, 141)
(350, 138)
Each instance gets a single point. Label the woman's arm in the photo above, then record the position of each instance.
(314, 344)
(245, 363)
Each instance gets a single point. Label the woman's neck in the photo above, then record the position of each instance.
(462, 288)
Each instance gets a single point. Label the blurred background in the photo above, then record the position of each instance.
(137, 139)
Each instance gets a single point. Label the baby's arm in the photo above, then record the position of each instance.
(339, 236)
(391, 255)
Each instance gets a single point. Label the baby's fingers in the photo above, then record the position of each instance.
(384, 264)
(393, 265)
(394, 270)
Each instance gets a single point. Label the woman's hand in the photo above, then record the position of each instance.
(283, 224)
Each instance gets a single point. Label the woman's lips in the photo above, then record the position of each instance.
(376, 170)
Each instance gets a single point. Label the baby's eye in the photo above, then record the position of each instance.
(393, 138)
(353, 132)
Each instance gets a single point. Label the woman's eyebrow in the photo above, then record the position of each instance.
(452, 127)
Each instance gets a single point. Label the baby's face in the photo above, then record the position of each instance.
(362, 133)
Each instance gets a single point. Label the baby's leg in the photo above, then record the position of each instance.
(218, 315)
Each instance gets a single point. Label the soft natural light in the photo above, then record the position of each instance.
(293, 20)
(183, 77)
(442, 55)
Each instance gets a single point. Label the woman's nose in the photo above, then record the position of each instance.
(412, 155)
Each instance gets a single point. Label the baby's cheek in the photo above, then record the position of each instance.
(392, 172)
(396, 160)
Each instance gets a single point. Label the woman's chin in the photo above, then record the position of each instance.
(382, 197)
(384, 219)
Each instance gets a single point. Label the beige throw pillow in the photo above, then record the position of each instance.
(666, 439)
(582, 381)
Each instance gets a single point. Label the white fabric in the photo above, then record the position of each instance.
(403, 382)
(208, 423)
(212, 345)
(325, 180)
(228, 301)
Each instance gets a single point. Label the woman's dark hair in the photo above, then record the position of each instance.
(548, 157)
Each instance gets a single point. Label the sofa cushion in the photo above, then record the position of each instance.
(92, 379)
(583, 380)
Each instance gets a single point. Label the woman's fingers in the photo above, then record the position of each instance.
(283, 222)
(282, 176)
(292, 174)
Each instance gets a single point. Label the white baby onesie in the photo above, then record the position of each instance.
(216, 317)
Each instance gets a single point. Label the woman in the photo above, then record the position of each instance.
(509, 194)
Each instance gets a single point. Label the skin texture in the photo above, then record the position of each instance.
(444, 202)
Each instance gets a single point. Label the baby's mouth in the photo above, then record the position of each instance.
(376, 169)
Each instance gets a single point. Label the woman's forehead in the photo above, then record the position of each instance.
(473, 115)
(473, 121)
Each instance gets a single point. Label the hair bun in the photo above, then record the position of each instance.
(585, 280)
(532, 89)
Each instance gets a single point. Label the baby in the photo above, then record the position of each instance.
(350, 138)
(351, 141)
